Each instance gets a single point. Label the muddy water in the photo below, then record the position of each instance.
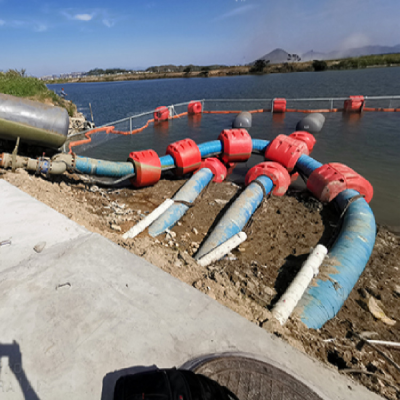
(369, 143)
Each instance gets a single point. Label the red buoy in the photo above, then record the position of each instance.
(194, 107)
(186, 155)
(286, 151)
(354, 104)
(236, 145)
(217, 167)
(161, 114)
(305, 137)
(279, 106)
(327, 181)
(276, 172)
(147, 168)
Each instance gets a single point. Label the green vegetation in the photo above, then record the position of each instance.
(368, 61)
(319, 65)
(259, 66)
(108, 71)
(15, 82)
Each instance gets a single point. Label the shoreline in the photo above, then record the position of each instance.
(222, 72)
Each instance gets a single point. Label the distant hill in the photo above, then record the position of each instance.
(276, 56)
(279, 56)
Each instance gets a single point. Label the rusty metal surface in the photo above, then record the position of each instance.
(251, 379)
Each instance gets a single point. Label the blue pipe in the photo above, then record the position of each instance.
(348, 256)
(237, 215)
(259, 145)
(188, 193)
(307, 165)
(114, 169)
(167, 162)
(92, 166)
(208, 148)
(347, 260)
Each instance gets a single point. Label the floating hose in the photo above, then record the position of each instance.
(92, 166)
(187, 194)
(237, 215)
(347, 260)
(347, 257)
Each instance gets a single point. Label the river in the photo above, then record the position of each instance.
(368, 143)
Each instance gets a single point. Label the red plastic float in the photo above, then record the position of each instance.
(354, 104)
(305, 137)
(328, 181)
(194, 107)
(186, 155)
(279, 106)
(286, 151)
(236, 145)
(161, 114)
(278, 174)
(147, 168)
(217, 167)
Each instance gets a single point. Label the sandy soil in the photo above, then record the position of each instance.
(251, 278)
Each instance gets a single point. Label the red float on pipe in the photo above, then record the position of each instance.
(236, 145)
(286, 151)
(217, 167)
(328, 181)
(186, 155)
(276, 172)
(305, 137)
(147, 168)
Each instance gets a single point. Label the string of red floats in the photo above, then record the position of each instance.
(354, 104)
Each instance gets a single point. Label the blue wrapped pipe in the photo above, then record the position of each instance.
(167, 162)
(306, 165)
(210, 148)
(114, 169)
(188, 193)
(259, 145)
(237, 216)
(347, 260)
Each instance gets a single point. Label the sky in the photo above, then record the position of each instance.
(54, 37)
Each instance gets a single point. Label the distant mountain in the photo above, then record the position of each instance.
(276, 56)
(279, 56)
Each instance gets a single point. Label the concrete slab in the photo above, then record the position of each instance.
(26, 222)
(85, 307)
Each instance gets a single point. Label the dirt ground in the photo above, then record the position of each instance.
(251, 278)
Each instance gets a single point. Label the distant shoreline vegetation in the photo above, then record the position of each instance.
(258, 67)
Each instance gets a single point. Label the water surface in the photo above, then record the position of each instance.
(368, 143)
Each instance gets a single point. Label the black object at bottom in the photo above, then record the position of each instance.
(170, 384)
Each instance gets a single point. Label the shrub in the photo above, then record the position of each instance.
(319, 65)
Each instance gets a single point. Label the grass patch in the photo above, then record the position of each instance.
(381, 60)
(15, 83)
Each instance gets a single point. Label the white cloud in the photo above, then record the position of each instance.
(83, 17)
(95, 15)
(237, 11)
(109, 23)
